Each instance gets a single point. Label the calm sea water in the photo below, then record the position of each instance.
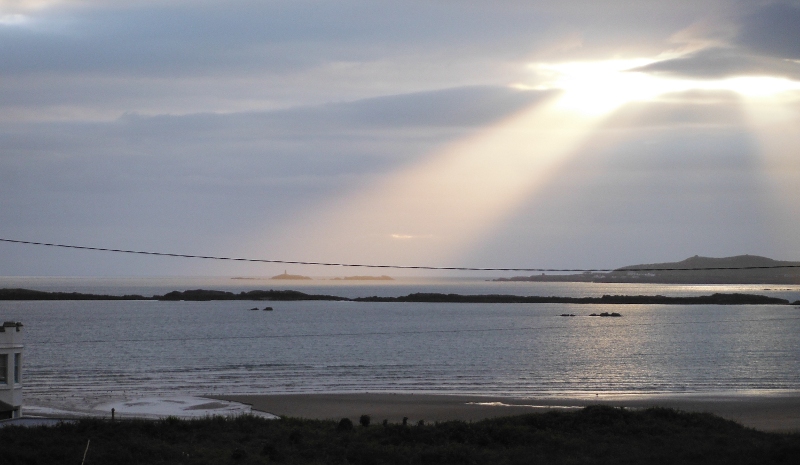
(90, 351)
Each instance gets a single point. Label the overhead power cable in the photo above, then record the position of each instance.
(398, 267)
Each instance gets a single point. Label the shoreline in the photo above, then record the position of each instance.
(769, 411)
(772, 412)
(144, 407)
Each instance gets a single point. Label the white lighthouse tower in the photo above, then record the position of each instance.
(10, 370)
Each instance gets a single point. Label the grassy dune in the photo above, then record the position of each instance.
(595, 435)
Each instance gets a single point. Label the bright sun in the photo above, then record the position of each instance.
(599, 87)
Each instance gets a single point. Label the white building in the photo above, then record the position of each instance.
(10, 370)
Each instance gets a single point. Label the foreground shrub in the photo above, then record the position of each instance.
(345, 424)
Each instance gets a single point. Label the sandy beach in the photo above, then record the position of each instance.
(766, 412)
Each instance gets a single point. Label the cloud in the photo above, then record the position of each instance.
(464, 106)
(721, 62)
(91, 62)
(243, 37)
(237, 116)
(691, 110)
(12, 19)
(772, 30)
(99, 59)
(193, 182)
(760, 40)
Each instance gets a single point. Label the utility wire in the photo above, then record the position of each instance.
(401, 333)
(398, 267)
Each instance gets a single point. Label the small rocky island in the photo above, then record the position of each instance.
(288, 276)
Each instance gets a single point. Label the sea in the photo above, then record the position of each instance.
(83, 353)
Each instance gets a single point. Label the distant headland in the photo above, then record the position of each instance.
(286, 275)
(741, 269)
(364, 278)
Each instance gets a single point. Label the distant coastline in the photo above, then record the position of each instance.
(364, 278)
(740, 269)
(295, 276)
(289, 295)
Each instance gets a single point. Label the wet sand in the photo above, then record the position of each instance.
(766, 412)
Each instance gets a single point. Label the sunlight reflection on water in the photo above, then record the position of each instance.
(99, 350)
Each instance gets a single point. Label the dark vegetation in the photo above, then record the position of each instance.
(28, 294)
(271, 295)
(202, 294)
(714, 299)
(594, 435)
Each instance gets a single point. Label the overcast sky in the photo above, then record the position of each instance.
(438, 133)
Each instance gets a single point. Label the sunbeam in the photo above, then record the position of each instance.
(437, 208)
(773, 121)
(445, 205)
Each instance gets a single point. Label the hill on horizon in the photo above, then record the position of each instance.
(737, 261)
(739, 269)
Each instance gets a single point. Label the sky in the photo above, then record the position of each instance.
(513, 134)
